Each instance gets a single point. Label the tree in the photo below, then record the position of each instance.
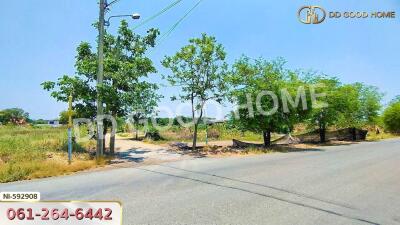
(142, 104)
(347, 105)
(199, 68)
(391, 116)
(14, 116)
(371, 105)
(261, 91)
(125, 63)
(294, 112)
(361, 106)
(327, 110)
(351, 113)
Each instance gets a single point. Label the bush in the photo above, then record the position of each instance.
(153, 134)
(391, 117)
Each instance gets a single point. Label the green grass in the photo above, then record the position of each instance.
(28, 152)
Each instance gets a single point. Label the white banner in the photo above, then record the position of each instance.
(55, 213)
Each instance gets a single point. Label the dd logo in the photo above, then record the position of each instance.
(311, 14)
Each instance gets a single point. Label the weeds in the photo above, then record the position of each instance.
(28, 152)
(218, 132)
(372, 136)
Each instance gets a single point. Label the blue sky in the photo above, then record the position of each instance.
(38, 41)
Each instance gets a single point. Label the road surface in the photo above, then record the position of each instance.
(353, 184)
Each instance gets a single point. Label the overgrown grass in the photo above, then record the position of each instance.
(34, 152)
(215, 133)
(372, 136)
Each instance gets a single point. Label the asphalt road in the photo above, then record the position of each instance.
(354, 184)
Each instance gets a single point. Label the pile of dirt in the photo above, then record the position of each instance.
(288, 139)
(348, 134)
(241, 144)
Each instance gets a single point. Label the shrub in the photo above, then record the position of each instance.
(153, 134)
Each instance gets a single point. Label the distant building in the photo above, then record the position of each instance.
(53, 123)
(215, 122)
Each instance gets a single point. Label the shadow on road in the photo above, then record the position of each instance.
(133, 155)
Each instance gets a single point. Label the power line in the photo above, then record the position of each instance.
(158, 14)
(174, 26)
(165, 35)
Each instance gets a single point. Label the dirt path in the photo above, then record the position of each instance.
(131, 152)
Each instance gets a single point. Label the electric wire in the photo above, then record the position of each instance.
(158, 14)
(173, 27)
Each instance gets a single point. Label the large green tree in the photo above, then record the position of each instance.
(125, 66)
(199, 69)
(361, 106)
(264, 94)
(328, 103)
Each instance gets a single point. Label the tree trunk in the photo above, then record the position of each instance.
(354, 133)
(112, 145)
(112, 140)
(267, 138)
(104, 144)
(104, 137)
(322, 133)
(137, 131)
(195, 137)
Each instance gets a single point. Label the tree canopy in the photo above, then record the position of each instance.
(263, 92)
(362, 105)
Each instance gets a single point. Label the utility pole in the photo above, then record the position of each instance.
(104, 5)
(100, 71)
